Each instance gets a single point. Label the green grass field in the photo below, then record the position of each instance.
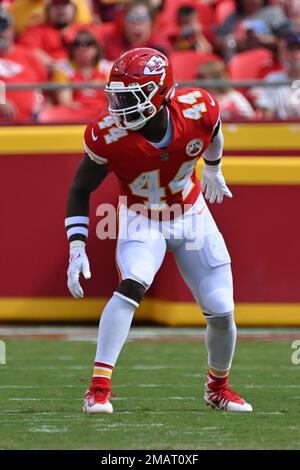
(159, 402)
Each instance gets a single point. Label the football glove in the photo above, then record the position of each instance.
(213, 184)
(78, 263)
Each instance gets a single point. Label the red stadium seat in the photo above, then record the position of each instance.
(206, 13)
(250, 65)
(61, 114)
(186, 63)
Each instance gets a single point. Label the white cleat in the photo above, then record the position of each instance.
(226, 404)
(96, 400)
(218, 395)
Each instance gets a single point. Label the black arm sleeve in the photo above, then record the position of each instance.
(88, 177)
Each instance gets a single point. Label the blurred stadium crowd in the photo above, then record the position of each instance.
(71, 41)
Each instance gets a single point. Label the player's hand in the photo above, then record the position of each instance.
(213, 184)
(78, 263)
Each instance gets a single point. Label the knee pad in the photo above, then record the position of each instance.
(220, 322)
(131, 290)
(218, 302)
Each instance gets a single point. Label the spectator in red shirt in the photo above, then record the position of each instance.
(85, 64)
(17, 66)
(137, 30)
(47, 39)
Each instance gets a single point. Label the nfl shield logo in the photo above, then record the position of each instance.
(164, 157)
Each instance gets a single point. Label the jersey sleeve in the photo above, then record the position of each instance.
(92, 144)
(212, 115)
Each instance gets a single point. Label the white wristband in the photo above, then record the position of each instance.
(77, 244)
(213, 168)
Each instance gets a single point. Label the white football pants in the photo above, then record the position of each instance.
(198, 246)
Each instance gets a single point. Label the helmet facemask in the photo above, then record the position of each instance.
(131, 106)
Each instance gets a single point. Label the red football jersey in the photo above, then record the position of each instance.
(17, 66)
(157, 177)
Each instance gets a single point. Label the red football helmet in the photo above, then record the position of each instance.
(140, 84)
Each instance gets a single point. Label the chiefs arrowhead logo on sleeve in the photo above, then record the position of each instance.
(156, 65)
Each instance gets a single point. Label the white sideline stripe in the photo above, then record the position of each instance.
(34, 423)
(38, 399)
(88, 333)
(113, 398)
(76, 415)
(34, 413)
(211, 428)
(271, 386)
(101, 423)
(59, 368)
(155, 398)
(41, 399)
(62, 367)
(162, 385)
(49, 430)
(20, 386)
(88, 367)
(157, 367)
(131, 425)
(56, 387)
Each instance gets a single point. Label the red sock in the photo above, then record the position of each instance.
(214, 382)
(102, 374)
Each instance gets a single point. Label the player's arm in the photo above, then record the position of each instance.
(88, 177)
(213, 183)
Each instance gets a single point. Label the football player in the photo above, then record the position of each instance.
(151, 139)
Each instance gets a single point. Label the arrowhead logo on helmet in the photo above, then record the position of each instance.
(156, 65)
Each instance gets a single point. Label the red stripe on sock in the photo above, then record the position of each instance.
(102, 364)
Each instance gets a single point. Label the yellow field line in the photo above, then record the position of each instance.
(158, 311)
